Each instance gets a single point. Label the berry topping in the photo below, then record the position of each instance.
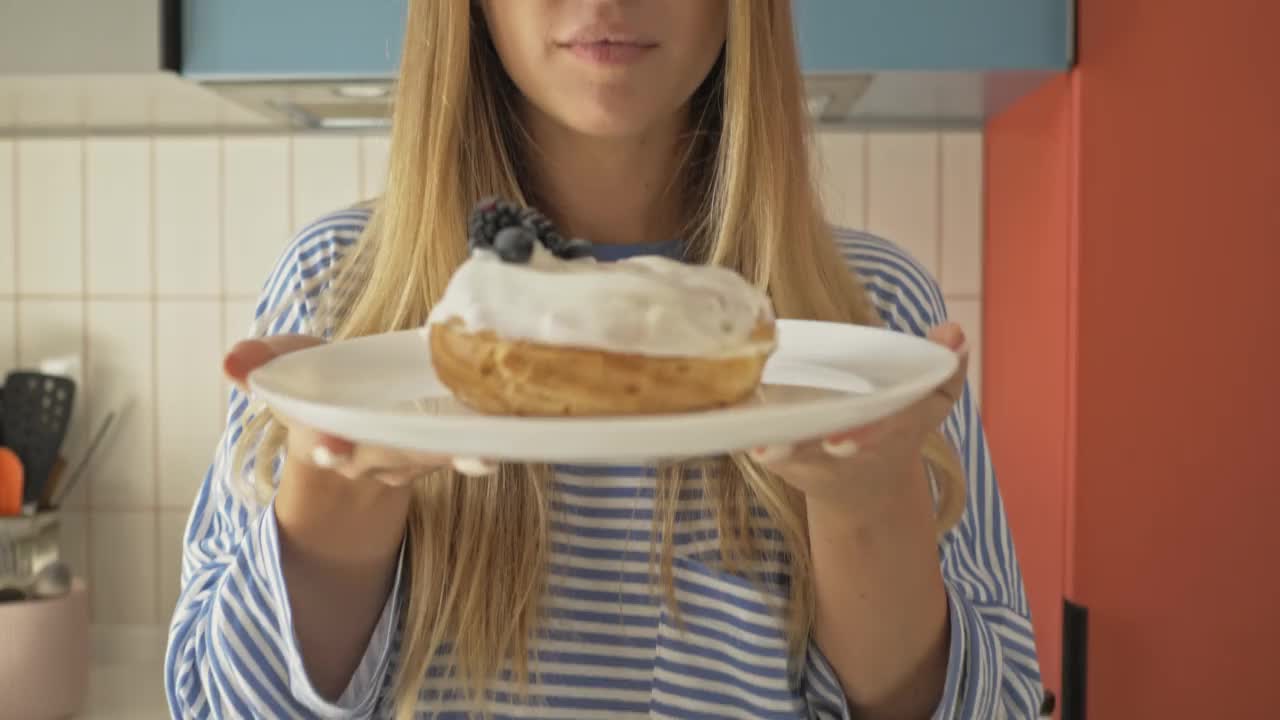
(543, 228)
(492, 216)
(514, 244)
(488, 217)
(574, 249)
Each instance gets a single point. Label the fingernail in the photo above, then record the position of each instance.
(393, 479)
(840, 448)
(766, 454)
(474, 467)
(323, 457)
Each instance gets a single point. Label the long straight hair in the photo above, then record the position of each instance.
(478, 547)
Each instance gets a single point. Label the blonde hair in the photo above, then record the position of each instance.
(478, 548)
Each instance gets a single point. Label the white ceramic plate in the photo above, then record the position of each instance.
(823, 378)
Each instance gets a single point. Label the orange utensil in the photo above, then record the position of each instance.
(10, 483)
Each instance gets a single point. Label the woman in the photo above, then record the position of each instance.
(323, 579)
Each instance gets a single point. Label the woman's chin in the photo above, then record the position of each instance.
(611, 127)
(610, 118)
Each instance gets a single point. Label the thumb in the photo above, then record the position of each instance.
(949, 335)
(249, 355)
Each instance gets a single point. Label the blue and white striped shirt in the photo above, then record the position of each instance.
(609, 647)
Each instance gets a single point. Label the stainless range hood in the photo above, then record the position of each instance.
(316, 104)
(366, 105)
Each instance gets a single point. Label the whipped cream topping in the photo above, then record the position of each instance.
(645, 305)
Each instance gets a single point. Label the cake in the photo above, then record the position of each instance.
(531, 324)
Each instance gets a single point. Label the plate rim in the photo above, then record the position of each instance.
(695, 422)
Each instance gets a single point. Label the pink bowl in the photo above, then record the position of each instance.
(44, 656)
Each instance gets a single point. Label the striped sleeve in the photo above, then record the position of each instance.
(993, 671)
(232, 652)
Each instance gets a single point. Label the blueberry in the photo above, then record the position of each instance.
(573, 249)
(514, 244)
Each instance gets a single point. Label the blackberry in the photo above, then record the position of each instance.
(492, 216)
(542, 227)
(559, 245)
(488, 217)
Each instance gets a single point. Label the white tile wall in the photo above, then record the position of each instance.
(960, 229)
(50, 214)
(123, 567)
(960, 232)
(316, 188)
(8, 335)
(903, 192)
(841, 164)
(374, 154)
(257, 191)
(237, 317)
(8, 221)
(49, 327)
(173, 523)
(73, 530)
(121, 370)
(188, 212)
(189, 379)
(146, 254)
(118, 210)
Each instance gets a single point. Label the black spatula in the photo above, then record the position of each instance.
(37, 412)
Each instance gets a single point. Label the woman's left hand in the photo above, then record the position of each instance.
(842, 468)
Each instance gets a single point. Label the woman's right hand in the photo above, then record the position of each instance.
(341, 511)
(391, 466)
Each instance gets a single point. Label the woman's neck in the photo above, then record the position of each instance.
(610, 191)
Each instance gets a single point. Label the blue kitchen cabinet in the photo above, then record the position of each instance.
(361, 38)
(227, 40)
(935, 35)
(886, 62)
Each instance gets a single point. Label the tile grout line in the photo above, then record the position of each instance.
(982, 251)
(154, 312)
(291, 184)
(86, 361)
(223, 280)
(866, 181)
(362, 182)
(222, 267)
(982, 210)
(942, 189)
(13, 226)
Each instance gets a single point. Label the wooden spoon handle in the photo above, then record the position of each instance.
(53, 483)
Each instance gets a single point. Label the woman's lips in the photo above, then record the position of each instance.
(607, 52)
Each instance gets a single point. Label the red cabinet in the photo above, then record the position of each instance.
(1132, 333)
